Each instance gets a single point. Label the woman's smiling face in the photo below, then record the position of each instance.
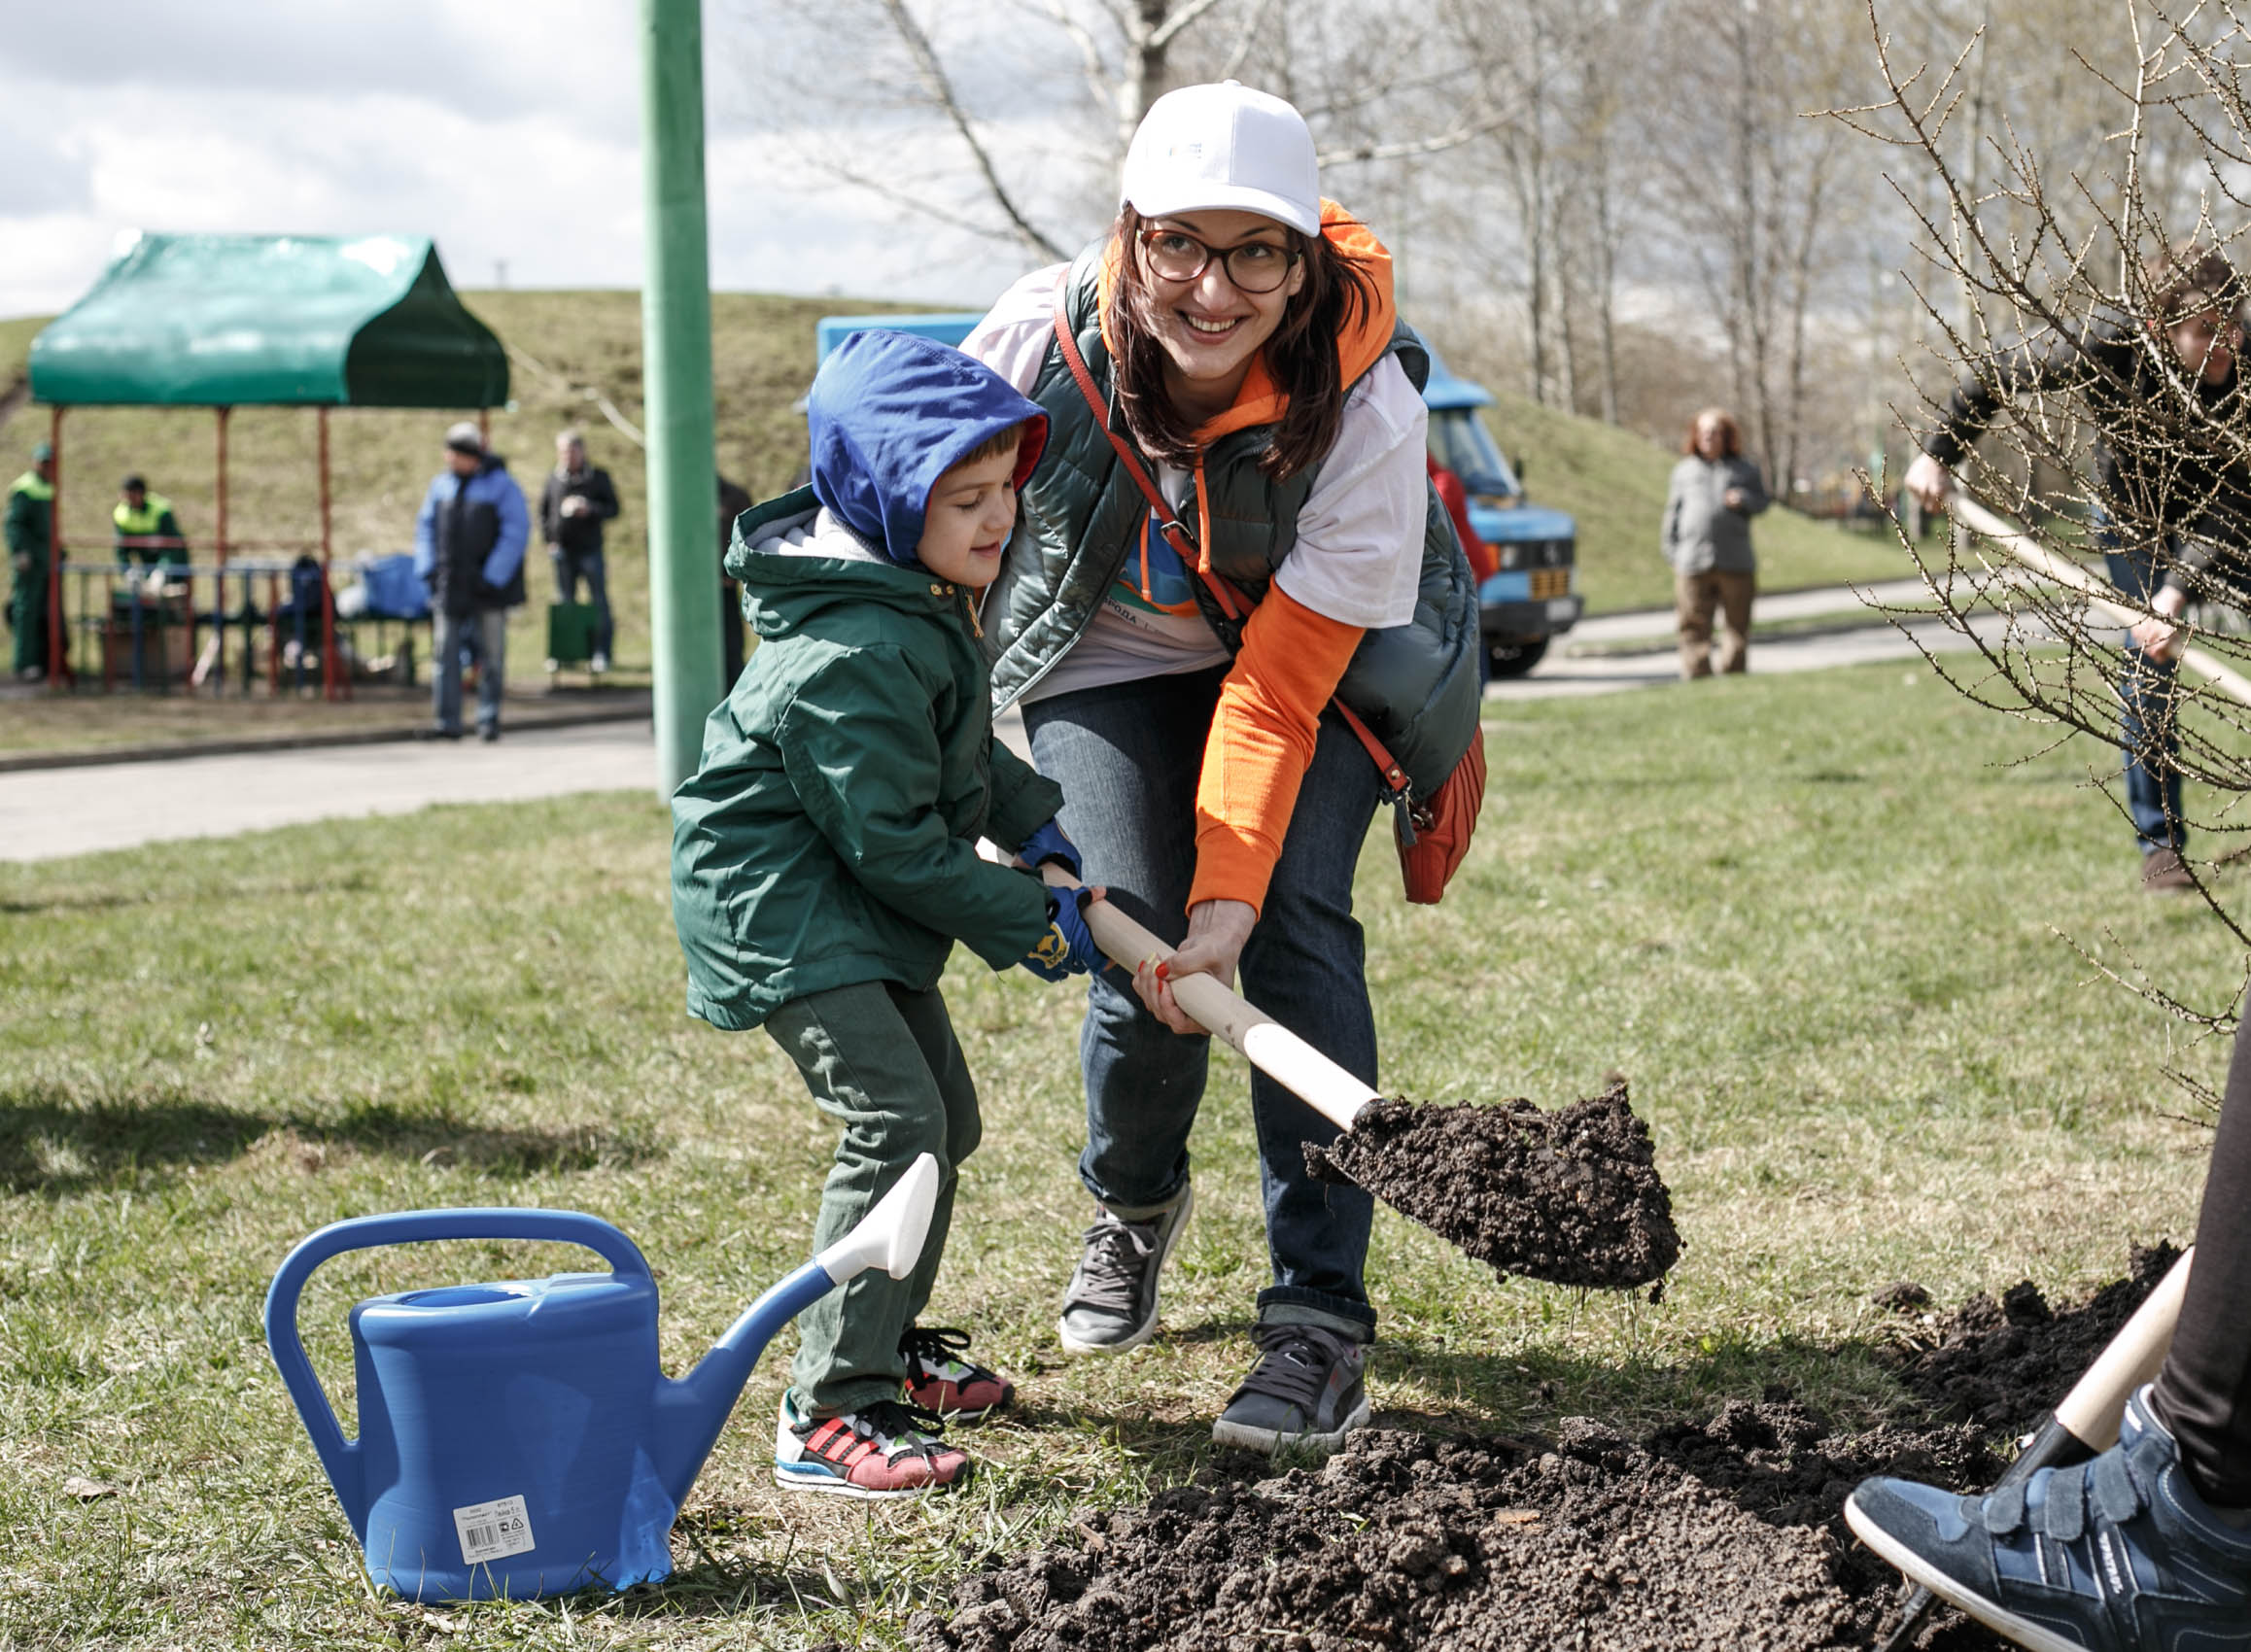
(1210, 329)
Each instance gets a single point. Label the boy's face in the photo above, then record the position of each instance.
(2205, 343)
(966, 524)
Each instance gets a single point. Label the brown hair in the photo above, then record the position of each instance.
(1730, 435)
(1334, 297)
(993, 446)
(2189, 277)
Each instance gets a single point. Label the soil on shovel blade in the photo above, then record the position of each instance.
(1572, 1196)
(1725, 1532)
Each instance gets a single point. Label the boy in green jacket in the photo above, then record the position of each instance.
(825, 857)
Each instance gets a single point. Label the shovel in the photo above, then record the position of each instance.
(1571, 1196)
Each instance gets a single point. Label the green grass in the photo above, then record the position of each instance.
(1613, 482)
(1813, 919)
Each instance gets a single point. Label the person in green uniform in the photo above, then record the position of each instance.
(30, 534)
(146, 531)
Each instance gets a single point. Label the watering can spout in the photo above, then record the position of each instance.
(691, 1412)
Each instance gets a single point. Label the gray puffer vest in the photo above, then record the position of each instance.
(1415, 685)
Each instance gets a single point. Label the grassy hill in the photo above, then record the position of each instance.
(1612, 480)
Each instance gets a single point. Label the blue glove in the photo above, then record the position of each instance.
(1066, 948)
(1048, 843)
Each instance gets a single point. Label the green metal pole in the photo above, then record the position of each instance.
(675, 328)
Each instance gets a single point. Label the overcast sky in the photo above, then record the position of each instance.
(508, 129)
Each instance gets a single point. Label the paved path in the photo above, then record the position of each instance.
(1564, 674)
(67, 811)
(114, 806)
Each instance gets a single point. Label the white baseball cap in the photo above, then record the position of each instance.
(1224, 145)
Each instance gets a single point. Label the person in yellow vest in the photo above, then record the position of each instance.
(30, 533)
(146, 531)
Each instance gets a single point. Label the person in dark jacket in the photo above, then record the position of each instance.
(2171, 512)
(576, 501)
(30, 534)
(825, 857)
(469, 548)
(1706, 538)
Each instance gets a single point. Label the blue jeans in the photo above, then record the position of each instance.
(570, 569)
(2146, 734)
(1128, 757)
(482, 636)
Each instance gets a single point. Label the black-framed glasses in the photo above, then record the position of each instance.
(1253, 266)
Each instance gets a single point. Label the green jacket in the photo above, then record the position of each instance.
(154, 520)
(30, 522)
(830, 835)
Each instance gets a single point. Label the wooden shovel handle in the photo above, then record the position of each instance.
(1268, 1046)
(2101, 597)
(2091, 1410)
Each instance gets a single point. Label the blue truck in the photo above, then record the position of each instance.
(1533, 595)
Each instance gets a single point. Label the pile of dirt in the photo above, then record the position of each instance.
(2003, 1364)
(1723, 1531)
(1571, 1197)
(1719, 1535)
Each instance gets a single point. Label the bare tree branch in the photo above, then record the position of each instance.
(940, 87)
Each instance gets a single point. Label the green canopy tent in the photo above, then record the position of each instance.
(290, 320)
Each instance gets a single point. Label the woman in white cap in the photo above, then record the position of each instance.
(1233, 526)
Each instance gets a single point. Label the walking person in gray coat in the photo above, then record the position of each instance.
(1715, 494)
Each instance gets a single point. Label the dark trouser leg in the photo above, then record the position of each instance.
(2203, 1393)
(566, 574)
(1128, 757)
(882, 1061)
(597, 594)
(2146, 736)
(1306, 966)
(27, 618)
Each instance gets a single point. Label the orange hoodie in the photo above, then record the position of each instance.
(1292, 657)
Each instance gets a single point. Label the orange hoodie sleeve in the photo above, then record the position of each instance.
(1261, 743)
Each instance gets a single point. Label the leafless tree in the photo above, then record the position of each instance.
(2021, 252)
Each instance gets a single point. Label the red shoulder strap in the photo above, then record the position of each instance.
(1232, 601)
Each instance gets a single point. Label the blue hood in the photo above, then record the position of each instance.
(889, 413)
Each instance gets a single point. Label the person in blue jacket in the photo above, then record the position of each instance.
(469, 548)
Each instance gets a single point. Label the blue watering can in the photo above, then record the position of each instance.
(518, 1439)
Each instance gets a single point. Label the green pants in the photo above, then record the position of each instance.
(882, 1061)
(27, 619)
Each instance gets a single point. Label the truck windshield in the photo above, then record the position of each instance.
(1459, 443)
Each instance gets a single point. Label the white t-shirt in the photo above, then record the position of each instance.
(1359, 553)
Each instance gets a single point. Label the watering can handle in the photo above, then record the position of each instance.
(406, 1228)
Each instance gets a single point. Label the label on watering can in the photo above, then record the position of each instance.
(493, 1530)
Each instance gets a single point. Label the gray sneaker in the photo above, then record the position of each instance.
(1111, 1304)
(1306, 1389)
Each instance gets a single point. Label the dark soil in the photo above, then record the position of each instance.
(1721, 1533)
(1572, 1196)
(2002, 1365)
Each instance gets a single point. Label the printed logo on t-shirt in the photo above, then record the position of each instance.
(1157, 580)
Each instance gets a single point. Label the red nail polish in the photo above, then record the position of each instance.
(1163, 970)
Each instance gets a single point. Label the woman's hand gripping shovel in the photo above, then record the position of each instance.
(1571, 1196)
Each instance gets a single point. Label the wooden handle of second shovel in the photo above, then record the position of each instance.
(1264, 1042)
(2096, 1403)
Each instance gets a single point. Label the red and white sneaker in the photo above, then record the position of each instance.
(940, 1380)
(884, 1450)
